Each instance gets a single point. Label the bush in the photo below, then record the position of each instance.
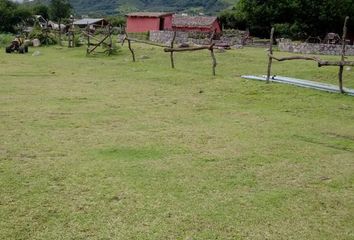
(45, 38)
(5, 39)
(115, 49)
(78, 41)
(286, 30)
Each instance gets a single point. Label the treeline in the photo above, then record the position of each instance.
(14, 17)
(297, 19)
(114, 7)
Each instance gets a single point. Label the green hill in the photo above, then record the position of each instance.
(94, 7)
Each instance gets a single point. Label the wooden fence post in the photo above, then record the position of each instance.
(88, 39)
(341, 67)
(211, 49)
(213, 58)
(270, 60)
(130, 46)
(171, 53)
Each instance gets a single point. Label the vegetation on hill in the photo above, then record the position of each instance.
(94, 7)
(295, 19)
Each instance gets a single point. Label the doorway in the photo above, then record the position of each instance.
(162, 24)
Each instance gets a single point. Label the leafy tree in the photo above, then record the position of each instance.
(116, 21)
(232, 18)
(41, 9)
(12, 15)
(59, 10)
(293, 18)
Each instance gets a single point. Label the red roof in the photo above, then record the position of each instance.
(149, 14)
(195, 21)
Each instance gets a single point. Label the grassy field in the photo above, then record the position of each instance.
(103, 148)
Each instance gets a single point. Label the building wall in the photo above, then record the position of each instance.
(145, 24)
(141, 24)
(217, 26)
(168, 23)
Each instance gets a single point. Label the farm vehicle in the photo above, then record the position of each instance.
(17, 45)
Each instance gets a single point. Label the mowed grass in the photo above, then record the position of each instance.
(104, 148)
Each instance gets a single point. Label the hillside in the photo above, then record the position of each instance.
(94, 7)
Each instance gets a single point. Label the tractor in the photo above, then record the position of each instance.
(17, 45)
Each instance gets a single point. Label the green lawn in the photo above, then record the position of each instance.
(104, 148)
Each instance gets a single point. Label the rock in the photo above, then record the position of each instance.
(36, 42)
(184, 45)
(237, 46)
(36, 53)
(28, 42)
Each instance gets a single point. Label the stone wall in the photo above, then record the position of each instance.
(314, 48)
(165, 37)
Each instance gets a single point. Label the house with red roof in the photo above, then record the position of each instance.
(147, 21)
(161, 21)
(196, 24)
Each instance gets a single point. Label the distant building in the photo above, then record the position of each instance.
(92, 22)
(196, 24)
(147, 21)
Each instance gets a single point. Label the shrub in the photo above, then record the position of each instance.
(115, 49)
(5, 39)
(78, 40)
(45, 38)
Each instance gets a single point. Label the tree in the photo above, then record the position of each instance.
(41, 9)
(59, 10)
(12, 15)
(293, 18)
(116, 21)
(232, 18)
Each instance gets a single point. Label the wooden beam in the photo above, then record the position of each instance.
(294, 58)
(320, 62)
(334, 63)
(146, 42)
(98, 44)
(189, 49)
(94, 38)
